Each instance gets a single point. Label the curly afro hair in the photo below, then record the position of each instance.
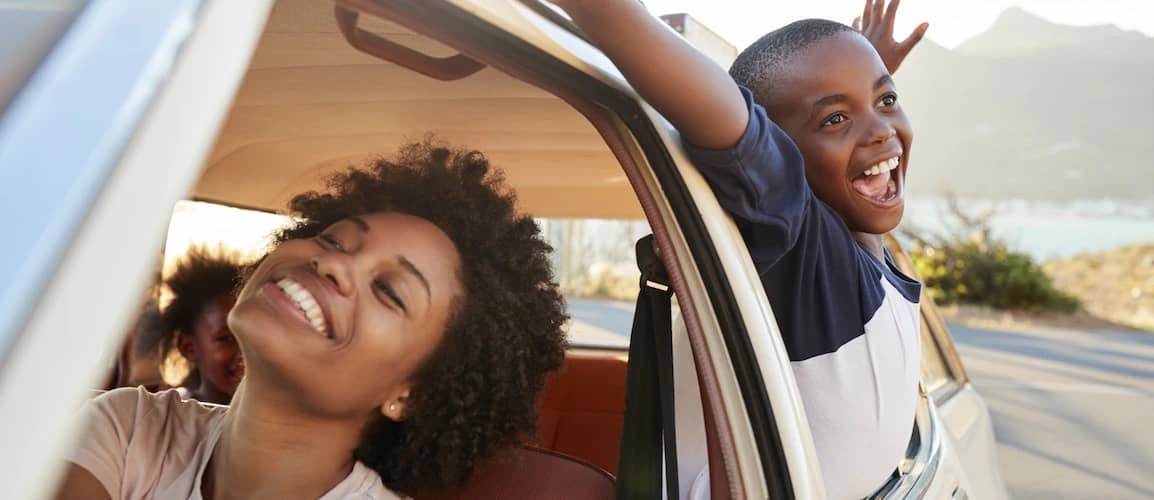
(202, 275)
(476, 392)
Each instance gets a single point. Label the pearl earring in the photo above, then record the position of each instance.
(392, 407)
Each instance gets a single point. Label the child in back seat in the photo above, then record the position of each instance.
(808, 152)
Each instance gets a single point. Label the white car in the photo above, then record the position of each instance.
(114, 110)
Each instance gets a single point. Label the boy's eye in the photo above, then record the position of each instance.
(889, 100)
(834, 119)
(385, 288)
(328, 241)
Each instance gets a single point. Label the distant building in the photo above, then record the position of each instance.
(712, 44)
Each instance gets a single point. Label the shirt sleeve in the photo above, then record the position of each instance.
(761, 182)
(109, 420)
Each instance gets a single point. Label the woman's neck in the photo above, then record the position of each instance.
(267, 452)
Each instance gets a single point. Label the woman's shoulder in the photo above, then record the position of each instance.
(136, 440)
(135, 410)
(362, 483)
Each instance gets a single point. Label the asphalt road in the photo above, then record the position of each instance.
(1073, 411)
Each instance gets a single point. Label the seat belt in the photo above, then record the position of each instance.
(649, 435)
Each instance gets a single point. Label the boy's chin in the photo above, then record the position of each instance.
(879, 221)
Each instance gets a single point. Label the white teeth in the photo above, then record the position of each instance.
(884, 166)
(306, 302)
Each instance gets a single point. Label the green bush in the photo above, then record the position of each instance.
(973, 271)
(968, 265)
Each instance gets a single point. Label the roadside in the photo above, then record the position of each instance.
(994, 319)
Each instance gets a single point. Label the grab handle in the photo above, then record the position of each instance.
(447, 69)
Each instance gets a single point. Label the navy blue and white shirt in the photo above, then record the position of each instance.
(849, 321)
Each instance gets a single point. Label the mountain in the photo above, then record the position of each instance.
(1035, 110)
(1017, 32)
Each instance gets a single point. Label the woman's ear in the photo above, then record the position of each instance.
(186, 346)
(395, 408)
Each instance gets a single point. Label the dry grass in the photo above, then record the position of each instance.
(1116, 286)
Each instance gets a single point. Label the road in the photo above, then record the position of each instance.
(1073, 411)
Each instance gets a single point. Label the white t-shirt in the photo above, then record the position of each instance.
(142, 445)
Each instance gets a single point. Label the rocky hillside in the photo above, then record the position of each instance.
(1116, 285)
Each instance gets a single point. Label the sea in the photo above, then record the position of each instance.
(1044, 230)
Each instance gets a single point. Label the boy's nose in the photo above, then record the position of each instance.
(881, 132)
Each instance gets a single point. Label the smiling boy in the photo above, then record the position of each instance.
(808, 151)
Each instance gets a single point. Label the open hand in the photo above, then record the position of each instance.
(877, 24)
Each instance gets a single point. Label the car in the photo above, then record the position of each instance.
(124, 108)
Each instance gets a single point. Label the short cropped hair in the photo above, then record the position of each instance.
(758, 66)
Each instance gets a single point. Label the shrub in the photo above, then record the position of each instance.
(969, 266)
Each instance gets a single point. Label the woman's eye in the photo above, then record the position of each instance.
(835, 119)
(385, 288)
(327, 240)
(889, 100)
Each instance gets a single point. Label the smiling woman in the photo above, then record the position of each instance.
(403, 325)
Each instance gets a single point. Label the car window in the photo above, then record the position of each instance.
(596, 267)
(593, 260)
(935, 372)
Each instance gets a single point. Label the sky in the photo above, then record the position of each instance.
(951, 21)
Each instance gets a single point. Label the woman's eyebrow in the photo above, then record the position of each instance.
(360, 223)
(412, 269)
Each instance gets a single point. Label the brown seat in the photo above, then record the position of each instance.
(582, 408)
(531, 472)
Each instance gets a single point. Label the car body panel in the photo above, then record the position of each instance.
(78, 319)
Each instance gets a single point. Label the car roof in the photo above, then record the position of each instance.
(311, 104)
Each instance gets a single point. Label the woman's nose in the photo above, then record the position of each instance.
(334, 267)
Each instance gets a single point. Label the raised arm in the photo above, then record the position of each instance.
(684, 85)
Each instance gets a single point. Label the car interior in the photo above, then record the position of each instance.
(329, 88)
(332, 86)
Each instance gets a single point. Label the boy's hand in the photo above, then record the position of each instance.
(877, 24)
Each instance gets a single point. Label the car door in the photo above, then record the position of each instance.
(107, 114)
(962, 412)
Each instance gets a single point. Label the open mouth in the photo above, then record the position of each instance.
(881, 183)
(306, 305)
(236, 370)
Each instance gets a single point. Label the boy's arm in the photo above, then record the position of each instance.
(684, 85)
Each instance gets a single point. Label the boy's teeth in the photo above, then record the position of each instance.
(884, 166)
(305, 302)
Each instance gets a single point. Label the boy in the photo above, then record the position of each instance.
(809, 157)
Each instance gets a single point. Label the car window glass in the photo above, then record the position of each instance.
(596, 268)
(935, 372)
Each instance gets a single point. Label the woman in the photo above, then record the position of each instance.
(204, 286)
(397, 334)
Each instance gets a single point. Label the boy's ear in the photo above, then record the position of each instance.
(186, 346)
